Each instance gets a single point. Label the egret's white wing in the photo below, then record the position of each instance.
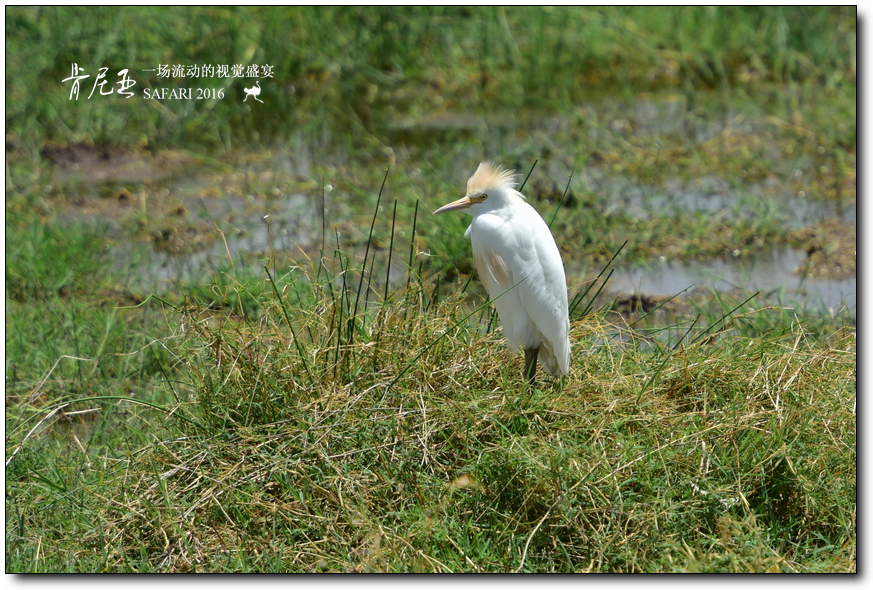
(543, 294)
(518, 254)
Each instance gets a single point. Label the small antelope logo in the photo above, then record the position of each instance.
(254, 91)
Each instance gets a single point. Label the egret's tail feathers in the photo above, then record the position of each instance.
(552, 364)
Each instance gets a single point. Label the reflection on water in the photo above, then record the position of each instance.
(767, 273)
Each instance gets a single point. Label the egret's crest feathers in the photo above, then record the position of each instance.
(490, 176)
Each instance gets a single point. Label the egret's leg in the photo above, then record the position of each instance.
(530, 364)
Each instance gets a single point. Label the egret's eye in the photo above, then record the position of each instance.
(481, 198)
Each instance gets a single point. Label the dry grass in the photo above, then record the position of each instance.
(307, 422)
(409, 444)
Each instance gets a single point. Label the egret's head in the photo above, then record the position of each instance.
(490, 181)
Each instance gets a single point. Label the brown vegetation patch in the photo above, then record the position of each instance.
(831, 248)
(96, 163)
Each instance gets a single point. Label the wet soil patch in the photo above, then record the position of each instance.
(831, 250)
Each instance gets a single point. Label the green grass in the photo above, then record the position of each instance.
(320, 434)
(291, 410)
(338, 69)
(46, 261)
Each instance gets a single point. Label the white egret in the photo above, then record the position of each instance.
(519, 262)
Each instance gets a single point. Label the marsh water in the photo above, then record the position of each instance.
(271, 203)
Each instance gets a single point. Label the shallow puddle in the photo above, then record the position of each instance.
(774, 274)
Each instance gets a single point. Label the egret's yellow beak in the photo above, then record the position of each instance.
(461, 203)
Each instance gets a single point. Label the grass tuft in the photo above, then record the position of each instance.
(413, 445)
